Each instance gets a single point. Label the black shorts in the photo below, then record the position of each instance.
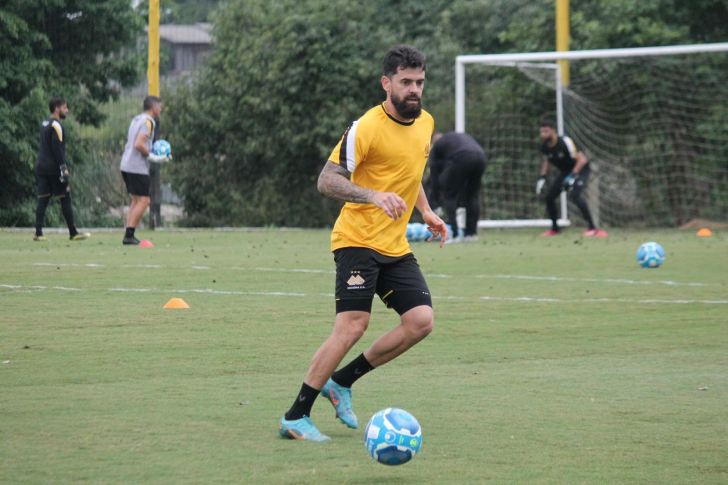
(137, 183)
(362, 272)
(48, 185)
(558, 184)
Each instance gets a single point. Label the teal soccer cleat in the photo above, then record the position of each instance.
(340, 397)
(300, 429)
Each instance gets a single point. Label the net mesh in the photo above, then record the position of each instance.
(653, 128)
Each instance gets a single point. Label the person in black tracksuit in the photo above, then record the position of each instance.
(51, 172)
(457, 163)
(574, 170)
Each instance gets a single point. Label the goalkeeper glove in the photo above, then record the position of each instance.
(539, 185)
(158, 158)
(64, 174)
(569, 181)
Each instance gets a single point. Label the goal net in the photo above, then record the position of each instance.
(653, 123)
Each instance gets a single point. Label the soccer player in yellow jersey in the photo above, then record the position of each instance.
(377, 170)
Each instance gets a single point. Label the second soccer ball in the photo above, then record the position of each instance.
(161, 147)
(650, 255)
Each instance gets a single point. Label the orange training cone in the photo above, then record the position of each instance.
(705, 232)
(146, 244)
(176, 303)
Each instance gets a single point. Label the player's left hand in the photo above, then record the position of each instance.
(436, 226)
(64, 174)
(569, 181)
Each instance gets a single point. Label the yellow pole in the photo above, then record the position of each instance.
(562, 36)
(153, 64)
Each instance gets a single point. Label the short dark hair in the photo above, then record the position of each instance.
(55, 103)
(547, 124)
(402, 57)
(150, 101)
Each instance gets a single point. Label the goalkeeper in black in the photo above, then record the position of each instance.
(574, 170)
(51, 172)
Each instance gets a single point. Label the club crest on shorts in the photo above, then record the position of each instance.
(355, 281)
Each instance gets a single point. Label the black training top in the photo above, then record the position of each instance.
(451, 148)
(52, 152)
(562, 155)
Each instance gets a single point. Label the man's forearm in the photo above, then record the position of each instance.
(422, 204)
(333, 182)
(544, 168)
(580, 162)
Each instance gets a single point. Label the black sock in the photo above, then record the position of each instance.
(130, 231)
(348, 375)
(67, 210)
(40, 211)
(303, 403)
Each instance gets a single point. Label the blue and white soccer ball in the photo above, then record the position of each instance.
(417, 232)
(650, 255)
(393, 436)
(411, 228)
(161, 147)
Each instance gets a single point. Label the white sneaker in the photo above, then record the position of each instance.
(472, 238)
(454, 240)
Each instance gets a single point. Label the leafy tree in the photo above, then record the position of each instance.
(68, 48)
(284, 81)
(285, 78)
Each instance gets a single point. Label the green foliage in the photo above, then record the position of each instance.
(287, 77)
(54, 48)
(283, 83)
(181, 12)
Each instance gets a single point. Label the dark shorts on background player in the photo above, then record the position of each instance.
(362, 272)
(48, 185)
(137, 183)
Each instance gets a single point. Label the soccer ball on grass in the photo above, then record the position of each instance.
(650, 255)
(393, 436)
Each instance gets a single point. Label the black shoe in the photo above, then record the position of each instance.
(131, 240)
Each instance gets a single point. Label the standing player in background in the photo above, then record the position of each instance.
(51, 172)
(385, 153)
(457, 163)
(574, 170)
(134, 168)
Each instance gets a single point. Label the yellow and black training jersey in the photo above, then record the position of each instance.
(562, 155)
(52, 149)
(384, 155)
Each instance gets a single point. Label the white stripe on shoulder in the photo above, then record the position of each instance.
(570, 145)
(351, 147)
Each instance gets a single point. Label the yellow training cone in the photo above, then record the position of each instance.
(176, 303)
(705, 232)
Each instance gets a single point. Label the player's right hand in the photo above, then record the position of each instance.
(64, 174)
(392, 204)
(158, 158)
(539, 185)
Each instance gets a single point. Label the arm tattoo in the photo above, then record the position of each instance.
(334, 182)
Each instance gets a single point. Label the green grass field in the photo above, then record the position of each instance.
(554, 360)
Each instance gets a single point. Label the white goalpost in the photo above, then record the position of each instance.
(610, 107)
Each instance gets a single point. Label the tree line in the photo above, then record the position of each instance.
(252, 130)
